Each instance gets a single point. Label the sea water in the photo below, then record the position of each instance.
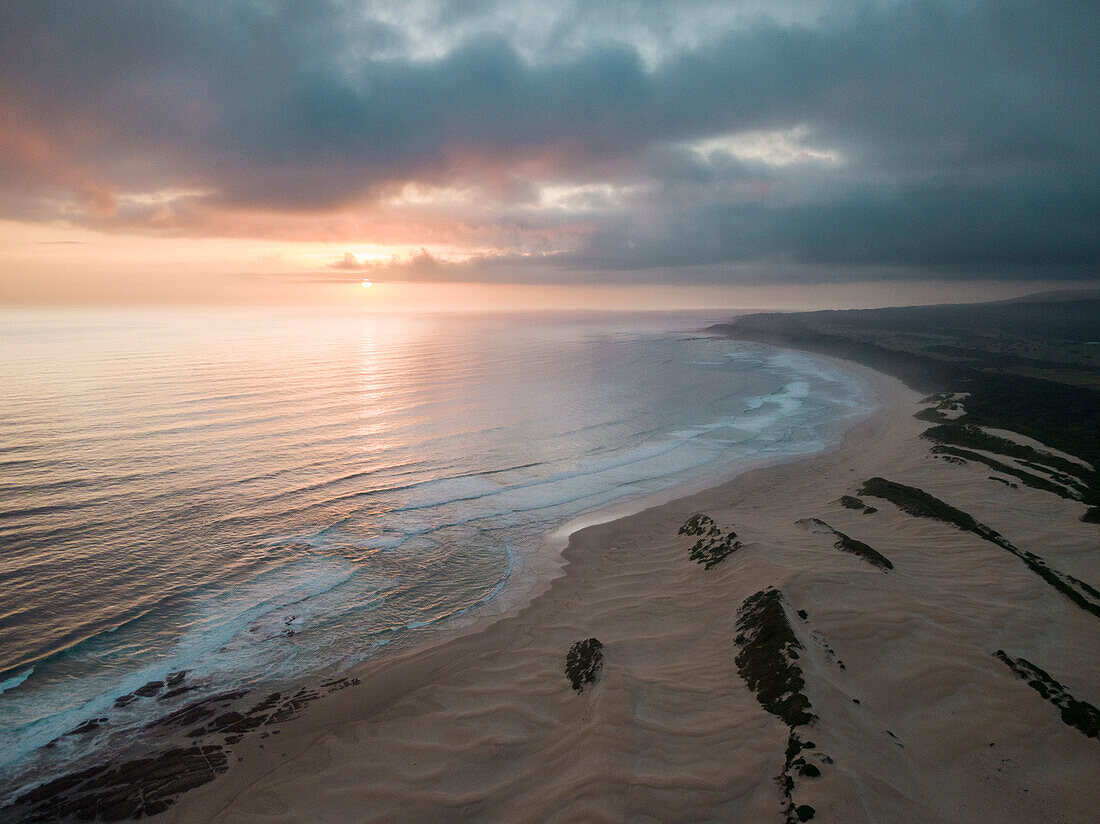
(271, 496)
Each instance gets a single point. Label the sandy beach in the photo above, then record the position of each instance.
(916, 720)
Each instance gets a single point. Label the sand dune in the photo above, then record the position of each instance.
(917, 720)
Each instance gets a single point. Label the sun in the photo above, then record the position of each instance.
(366, 284)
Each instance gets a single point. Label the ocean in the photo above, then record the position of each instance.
(274, 496)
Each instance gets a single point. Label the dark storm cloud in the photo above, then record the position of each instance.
(964, 134)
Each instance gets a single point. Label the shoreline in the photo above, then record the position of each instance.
(386, 683)
(550, 561)
(481, 724)
(486, 727)
(475, 619)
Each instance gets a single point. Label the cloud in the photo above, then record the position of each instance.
(690, 139)
(349, 263)
(421, 266)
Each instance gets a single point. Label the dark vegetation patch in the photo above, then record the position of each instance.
(930, 414)
(1026, 478)
(1077, 714)
(1066, 472)
(698, 525)
(712, 547)
(769, 649)
(1092, 515)
(852, 502)
(919, 503)
(1003, 481)
(850, 545)
(584, 662)
(796, 764)
(974, 437)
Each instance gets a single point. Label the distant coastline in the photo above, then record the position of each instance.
(1025, 365)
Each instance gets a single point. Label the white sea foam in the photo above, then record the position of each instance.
(15, 680)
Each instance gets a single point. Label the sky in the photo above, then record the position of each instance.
(644, 154)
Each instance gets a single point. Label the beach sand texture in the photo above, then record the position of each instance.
(916, 719)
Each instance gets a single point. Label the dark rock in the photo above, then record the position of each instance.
(150, 689)
(91, 725)
(339, 684)
(805, 812)
(196, 711)
(293, 706)
(170, 694)
(133, 789)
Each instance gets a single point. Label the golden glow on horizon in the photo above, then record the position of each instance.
(60, 264)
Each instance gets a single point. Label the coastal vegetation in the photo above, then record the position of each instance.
(713, 546)
(1068, 479)
(852, 502)
(850, 545)
(1077, 714)
(768, 649)
(583, 663)
(1027, 366)
(920, 504)
(1026, 478)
